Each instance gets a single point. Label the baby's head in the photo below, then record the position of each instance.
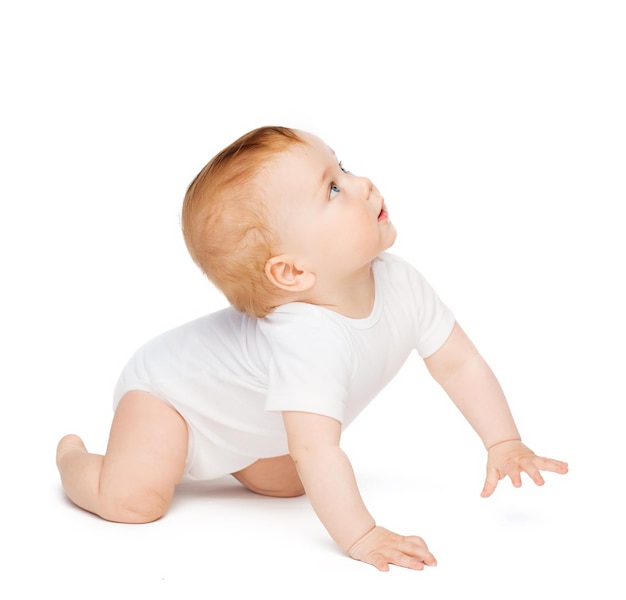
(225, 218)
(275, 218)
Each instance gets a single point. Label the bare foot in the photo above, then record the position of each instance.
(67, 444)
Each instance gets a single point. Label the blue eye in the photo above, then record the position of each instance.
(342, 167)
(334, 190)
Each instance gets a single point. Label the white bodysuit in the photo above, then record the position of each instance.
(230, 375)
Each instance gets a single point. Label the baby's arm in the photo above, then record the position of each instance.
(467, 379)
(329, 481)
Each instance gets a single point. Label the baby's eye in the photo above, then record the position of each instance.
(342, 167)
(334, 190)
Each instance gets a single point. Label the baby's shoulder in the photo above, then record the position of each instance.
(299, 316)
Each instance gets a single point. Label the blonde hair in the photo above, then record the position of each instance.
(225, 221)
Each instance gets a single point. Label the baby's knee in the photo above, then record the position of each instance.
(275, 477)
(290, 489)
(132, 506)
(292, 492)
(283, 491)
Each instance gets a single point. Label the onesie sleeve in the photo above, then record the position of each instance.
(310, 362)
(435, 320)
(414, 300)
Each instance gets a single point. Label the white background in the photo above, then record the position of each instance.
(495, 130)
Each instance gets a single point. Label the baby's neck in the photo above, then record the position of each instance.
(352, 297)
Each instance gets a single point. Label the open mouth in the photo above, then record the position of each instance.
(382, 215)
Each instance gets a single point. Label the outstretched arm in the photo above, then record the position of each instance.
(467, 379)
(330, 484)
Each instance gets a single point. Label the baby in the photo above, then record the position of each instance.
(321, 319)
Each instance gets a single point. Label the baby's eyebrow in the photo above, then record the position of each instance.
(324, 177)
(326, 173)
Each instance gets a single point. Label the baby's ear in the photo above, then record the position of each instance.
(284, 274)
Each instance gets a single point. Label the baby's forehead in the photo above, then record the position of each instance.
(314, 141)
(303, 160)
(311, 150)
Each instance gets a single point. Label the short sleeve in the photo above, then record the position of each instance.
(435, 319)
(310, 362)
(414, 302)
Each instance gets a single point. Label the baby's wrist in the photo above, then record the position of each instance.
(368, 533)
(516, 439)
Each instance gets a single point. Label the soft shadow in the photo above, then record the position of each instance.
(226, 488)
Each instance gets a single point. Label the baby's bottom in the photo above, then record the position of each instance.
(145, 459)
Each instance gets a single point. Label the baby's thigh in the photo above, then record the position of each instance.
(275, 476)
(147, 449)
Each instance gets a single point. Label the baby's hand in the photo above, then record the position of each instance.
(381, 548)
(510, 458)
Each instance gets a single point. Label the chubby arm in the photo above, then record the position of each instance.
(331, 487)
(468, 380)
(327, 476)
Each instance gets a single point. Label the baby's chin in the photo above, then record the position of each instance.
(394, 238)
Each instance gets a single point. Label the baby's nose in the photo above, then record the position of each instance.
(367, 184)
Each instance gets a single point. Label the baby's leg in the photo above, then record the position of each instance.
(275, 476)
(134, 481)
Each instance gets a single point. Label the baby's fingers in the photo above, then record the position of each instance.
(400, 559)
(414, 546)
(382, 548)
(405, 555)
(491, 482)
(525, 464)
(549, 464)
(533, 466)
(529, 466)
(382, 561)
